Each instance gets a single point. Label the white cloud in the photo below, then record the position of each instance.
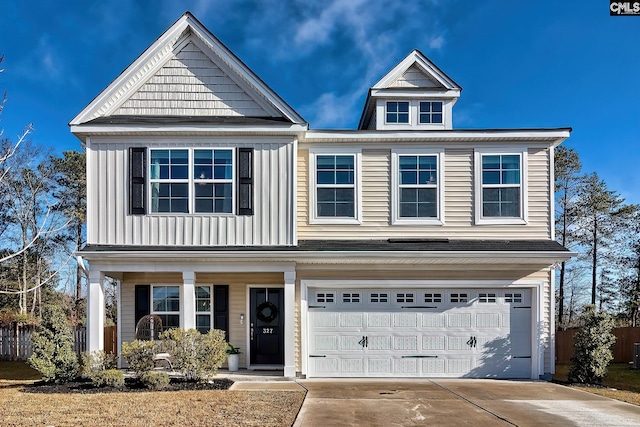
(436, 42)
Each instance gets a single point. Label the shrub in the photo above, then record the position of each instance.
(108, 378)
(139, 356)
(592, 347)
(52, 344)
(196, 355)
(155, 380)
(91, 362)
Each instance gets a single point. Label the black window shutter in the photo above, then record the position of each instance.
(221, 308)
(245, 181)
(137, 180)
(143, 301)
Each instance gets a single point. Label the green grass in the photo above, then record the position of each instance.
(622, 382)
(17, 371)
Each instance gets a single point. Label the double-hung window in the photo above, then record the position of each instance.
(203, 309)
(169, 180)
(397, 112)
(192, 180)
(335, 187)
(417, 186)
(501, 184)
(213, 181)
(166, 304)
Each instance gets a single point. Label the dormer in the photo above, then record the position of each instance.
(414, 95)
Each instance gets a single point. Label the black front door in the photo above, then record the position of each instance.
(266, 328)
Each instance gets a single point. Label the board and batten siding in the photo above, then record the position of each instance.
(459, 201)
(108, 195)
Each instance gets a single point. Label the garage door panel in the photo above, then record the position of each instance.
(322, 319)
(433, 342)
(351, 343)
(380, 365)
(324, 343)
(405, 320)
(405, 343)
(351, 320)
(459, 320)
(406, 366)
(433, 320)
(458, 366)
(379, 320)
(433, 367)
(379, 343)
(352, 366)
(488, 320)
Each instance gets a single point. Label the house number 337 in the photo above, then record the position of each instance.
(267, 330)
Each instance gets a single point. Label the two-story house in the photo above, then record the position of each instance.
(405, 248)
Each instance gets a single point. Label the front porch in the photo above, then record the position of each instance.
(253, 302)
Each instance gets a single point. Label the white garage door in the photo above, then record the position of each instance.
(476, 333)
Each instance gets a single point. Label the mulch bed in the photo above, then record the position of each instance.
(84, 386)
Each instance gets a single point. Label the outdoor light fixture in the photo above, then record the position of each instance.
(242, 318)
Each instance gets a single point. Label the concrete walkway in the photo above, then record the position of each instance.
(457, 403)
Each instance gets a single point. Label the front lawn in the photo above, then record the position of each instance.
(161, 408)
(622, 382)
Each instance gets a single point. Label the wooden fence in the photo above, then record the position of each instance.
(15, 342)
(622, 350)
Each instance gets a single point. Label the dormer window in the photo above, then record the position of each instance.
(430, 112)
(398, 112)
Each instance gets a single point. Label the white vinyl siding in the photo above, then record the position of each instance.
(107, 196)
(457, 201)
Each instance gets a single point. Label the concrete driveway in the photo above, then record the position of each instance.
(457, 403)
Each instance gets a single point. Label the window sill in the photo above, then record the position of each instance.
(335, 221)
(501, 221)
(417, 221)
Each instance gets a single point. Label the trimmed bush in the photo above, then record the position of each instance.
(91, 362)
(108, 378)
(139, 356)
(155, 380)
(198, 356)
(52, 344)
(593, 344)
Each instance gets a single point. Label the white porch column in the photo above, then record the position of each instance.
(289, 324)
(188, 300)
(95, 311)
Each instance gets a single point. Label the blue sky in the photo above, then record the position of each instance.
(520, 63)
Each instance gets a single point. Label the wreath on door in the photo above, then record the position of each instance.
(266, 312)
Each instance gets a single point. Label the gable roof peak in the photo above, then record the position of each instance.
(419, 60)
(186, 30)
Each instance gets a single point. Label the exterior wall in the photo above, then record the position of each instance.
(190, 84)
(413, 78)
(108, 194)
(458, 201)
(439, 272)
(238, 297)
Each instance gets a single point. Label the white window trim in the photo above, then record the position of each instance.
(395, 187)
(479, 219)
(191, 181)
(430, 113)
(409, 113)
(179, 312)
(313, 208)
